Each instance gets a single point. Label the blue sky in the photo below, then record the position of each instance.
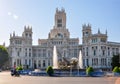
(101, 14)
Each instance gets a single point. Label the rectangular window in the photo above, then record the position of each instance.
(83, 62)
(44, 53)
(20, 49)
(18, 53)
(87, 62)
(59, 25)
(39, 63)
(93, 62)
(25, 61)
(48, 62)
(94, 53)
(48, 53)
(103, 52)
(59, 21)
(29, 62)
(29, 54)
(26, 49)
(86, 51)
(39, 55)
(29, 49)
(26, 34)
(43, 63)
(29, 35)
(26, 54)
(34, 54)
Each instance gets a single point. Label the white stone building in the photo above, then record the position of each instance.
(22, 51)
(97, 51)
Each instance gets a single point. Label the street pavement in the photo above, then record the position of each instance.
(6, 78)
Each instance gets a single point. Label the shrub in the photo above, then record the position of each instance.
(19, 68)
(116, 69)
(89, 70)
(50, 71)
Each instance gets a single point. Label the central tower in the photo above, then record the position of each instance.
(59, 30)
(60, 18)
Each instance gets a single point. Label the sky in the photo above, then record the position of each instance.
(101, 14)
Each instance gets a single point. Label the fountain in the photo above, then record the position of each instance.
(80, 60)
(55, 58)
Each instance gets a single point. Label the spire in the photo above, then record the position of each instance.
(10, 35)
(25, 27)
(31, 27)
(14, 33)
(89, 26)
(63, 10)
(84, 26)
(56, 10)
(106, 32)
(98, 31)
(49, 35)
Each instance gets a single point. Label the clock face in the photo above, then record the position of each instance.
(86, 33)
(59, 35)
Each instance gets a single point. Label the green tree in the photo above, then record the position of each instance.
(50, 71)
(89, 70)
(116, 69)
(3, 55)
(115, 61)
(19, 68)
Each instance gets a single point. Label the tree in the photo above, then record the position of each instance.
(116, 69)
(19, 68)
(50, 71)
(89, 70)
(3, 55)
(115, 61)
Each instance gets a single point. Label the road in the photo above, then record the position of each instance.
(6, 78)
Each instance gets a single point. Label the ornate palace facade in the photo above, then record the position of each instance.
(96, 50)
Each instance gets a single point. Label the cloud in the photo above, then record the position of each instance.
(9, 13)
(14, 16)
